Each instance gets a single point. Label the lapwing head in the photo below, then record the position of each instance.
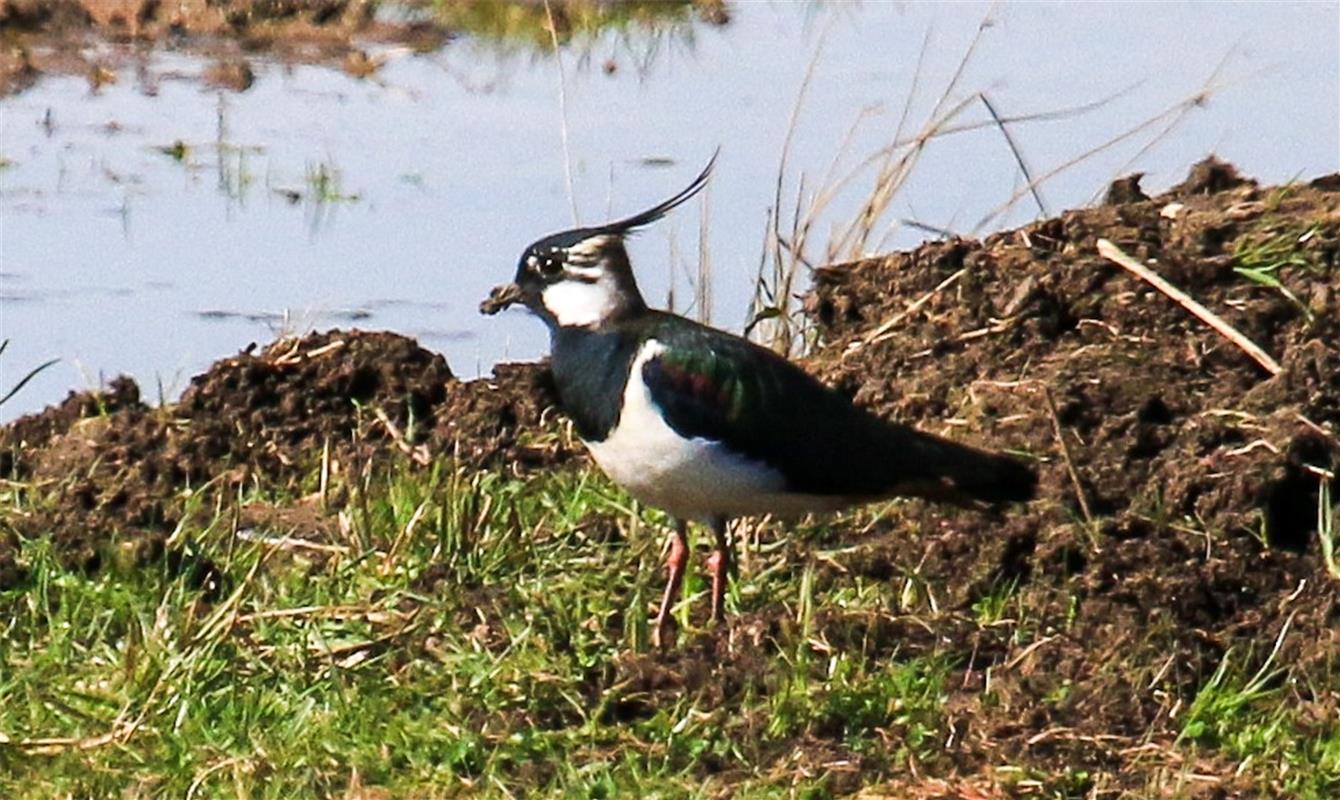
(582, 277)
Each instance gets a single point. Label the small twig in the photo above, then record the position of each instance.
(56, 744)
(1028, 651)
(1065, 454)
(1115, 254)
(1018, 156)
(289, 542)
(418, 453)
(878, 334)
(1317, 428)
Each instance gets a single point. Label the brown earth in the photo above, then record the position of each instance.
(264, 418)
(1176, 523)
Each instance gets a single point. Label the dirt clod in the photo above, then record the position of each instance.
(269, 416)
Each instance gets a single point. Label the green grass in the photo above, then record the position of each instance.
(1253, 721)
(475, 655)
(1270, 250)
(468, 634)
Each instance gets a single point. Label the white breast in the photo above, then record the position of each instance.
(689, 478)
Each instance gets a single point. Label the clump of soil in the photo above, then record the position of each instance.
(1180, 480)
(266, 418)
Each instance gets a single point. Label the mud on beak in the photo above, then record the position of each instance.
(501, 297)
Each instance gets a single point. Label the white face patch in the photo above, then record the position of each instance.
(576, 303)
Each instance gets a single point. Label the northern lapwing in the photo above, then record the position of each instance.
(710, 426)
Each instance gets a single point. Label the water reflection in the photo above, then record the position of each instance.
(538, 24)
(154, 233)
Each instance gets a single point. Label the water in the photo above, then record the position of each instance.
(316, 200)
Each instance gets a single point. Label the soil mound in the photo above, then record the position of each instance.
(267, 418)
(1180, 480)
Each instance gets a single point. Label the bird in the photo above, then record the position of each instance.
(709, 426)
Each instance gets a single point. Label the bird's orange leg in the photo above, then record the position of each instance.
(719, 565)
(675, 563)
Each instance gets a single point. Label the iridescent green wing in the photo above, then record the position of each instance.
(715, 386)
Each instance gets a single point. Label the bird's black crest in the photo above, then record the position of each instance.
(649, 216)
(555, 244)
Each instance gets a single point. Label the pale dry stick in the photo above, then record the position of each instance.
(418, 453)
(702, 290)
(884, 331)
(1065, 454)
(1317, 428)
(57, 744)
(1028, 651)
(290, 543)
(323, 482)
(563, 114)
(1112, 253)
(204, 774)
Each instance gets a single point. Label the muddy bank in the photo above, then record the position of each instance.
(270, 417)
(1180, 480)
(98, 38)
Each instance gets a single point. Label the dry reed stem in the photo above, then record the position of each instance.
(1065, 455)
(1175, 111)
(562, 114)
(1112, 253)
(1018, 154)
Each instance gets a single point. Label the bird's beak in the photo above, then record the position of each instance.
(501, 297)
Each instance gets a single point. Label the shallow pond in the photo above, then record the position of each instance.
(153, 224)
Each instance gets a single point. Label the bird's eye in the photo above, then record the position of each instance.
(547, 264)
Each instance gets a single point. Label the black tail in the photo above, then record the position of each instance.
(946, 470)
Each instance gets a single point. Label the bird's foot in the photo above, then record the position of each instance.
(663, 633)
